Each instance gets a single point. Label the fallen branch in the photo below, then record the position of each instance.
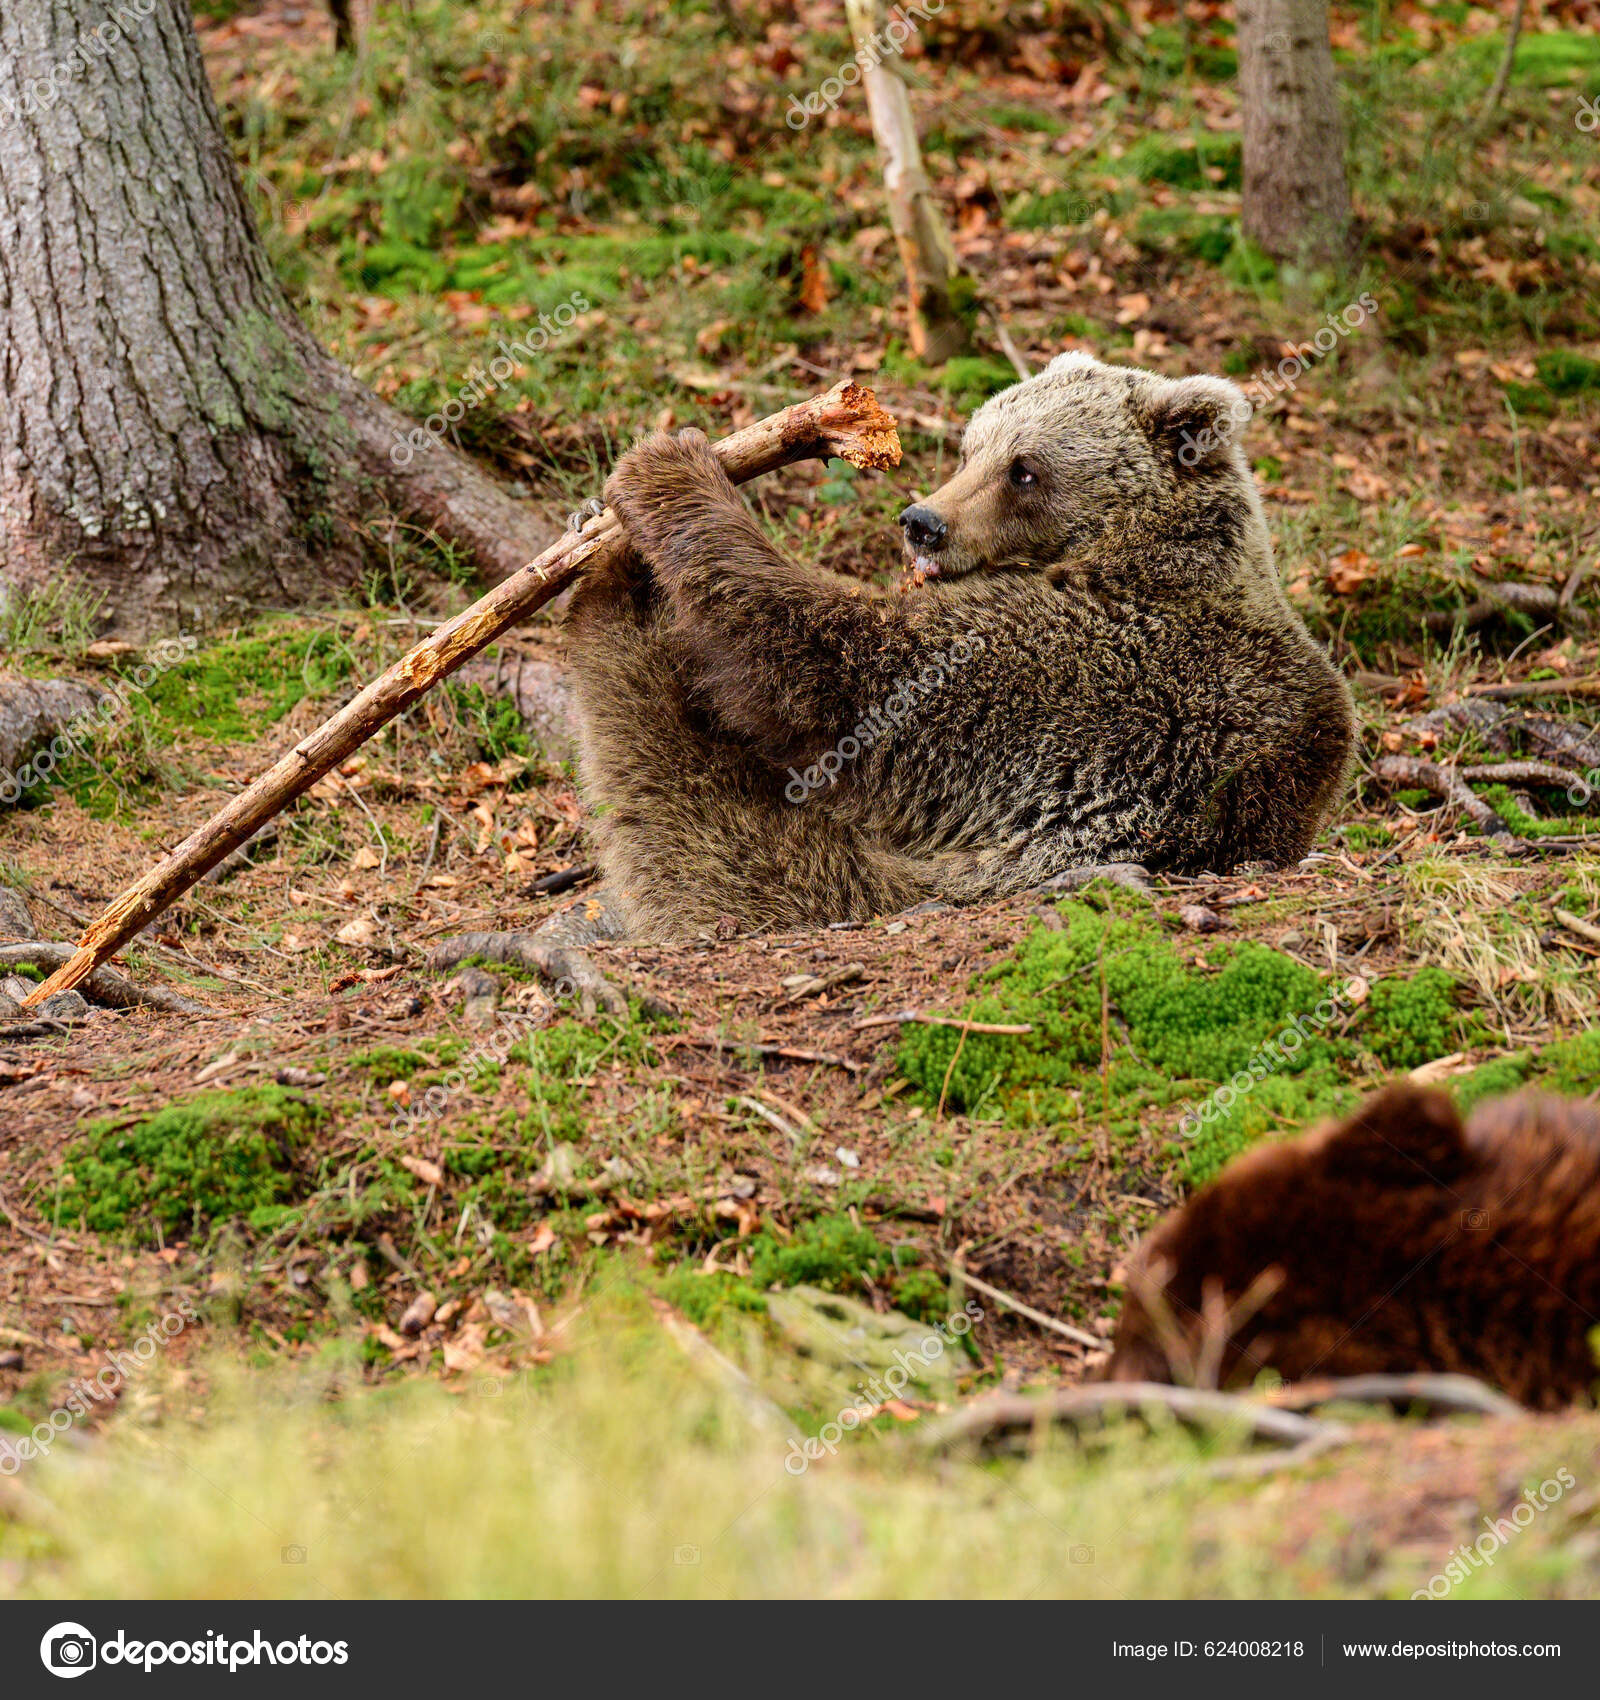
(1087, 1408)
(1448, 1395)
(1576, 924)
(1443, 782)
(846, 423)
(104, 985)
(1078, 1336)
(1497, 88)
(1517, 773)
(1537, 601)
(1589, 687)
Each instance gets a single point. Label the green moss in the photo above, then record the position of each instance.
(389, 1062)
(231, 690)
(208, 1159)
(707, 1296)
(830, 1252)
(1205, 162)
(1410, 1022)
(1060, 208)
(1499, 798)
(1248, 1041)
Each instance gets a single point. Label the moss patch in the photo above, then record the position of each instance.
(210, 1159)
(1246, 1040)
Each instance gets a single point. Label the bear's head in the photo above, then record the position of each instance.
(1051, 465)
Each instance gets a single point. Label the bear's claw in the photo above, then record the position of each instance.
(592, 509)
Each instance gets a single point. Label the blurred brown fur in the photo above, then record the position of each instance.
(1404, 1242)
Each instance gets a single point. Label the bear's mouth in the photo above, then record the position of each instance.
(926, 565)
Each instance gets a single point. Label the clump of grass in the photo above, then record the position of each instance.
(550, 1494)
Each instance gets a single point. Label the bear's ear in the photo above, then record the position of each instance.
(1074, 360)
(1403, 1136)
(1195, 420)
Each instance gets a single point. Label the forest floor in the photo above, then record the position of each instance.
(457, 1188)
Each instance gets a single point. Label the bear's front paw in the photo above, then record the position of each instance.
(660, 474)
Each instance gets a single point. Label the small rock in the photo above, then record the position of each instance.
(304, 1077)
(9, 1007)
(10, 1360)
(847, 1157)
(1292, 941)
(823, 1176)
(1198, 919)
(895, 927)
(419, 1313)
(66, 1007)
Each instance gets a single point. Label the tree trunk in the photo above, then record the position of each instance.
(172, 435)
(1296, 199)
(941, 295)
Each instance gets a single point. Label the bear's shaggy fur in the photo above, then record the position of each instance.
(1103, 669)
(1404, 1243)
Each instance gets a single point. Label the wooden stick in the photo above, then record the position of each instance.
(846, 422)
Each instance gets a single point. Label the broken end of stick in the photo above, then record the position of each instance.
(854, 427)
(79, 966)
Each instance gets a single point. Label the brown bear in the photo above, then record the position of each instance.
(1101, 668)
(1395, 1241)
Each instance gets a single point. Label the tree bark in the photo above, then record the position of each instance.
(1296, 198)
(172, 436)
(941, 294)
(32, 713)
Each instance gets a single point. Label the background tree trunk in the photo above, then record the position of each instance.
(1296, 199)
(941, 294)
(172, 435)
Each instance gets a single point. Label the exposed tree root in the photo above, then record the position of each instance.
(1445, 782)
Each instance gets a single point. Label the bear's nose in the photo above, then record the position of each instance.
(923, 528)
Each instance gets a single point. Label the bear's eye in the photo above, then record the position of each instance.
(1023, 476)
